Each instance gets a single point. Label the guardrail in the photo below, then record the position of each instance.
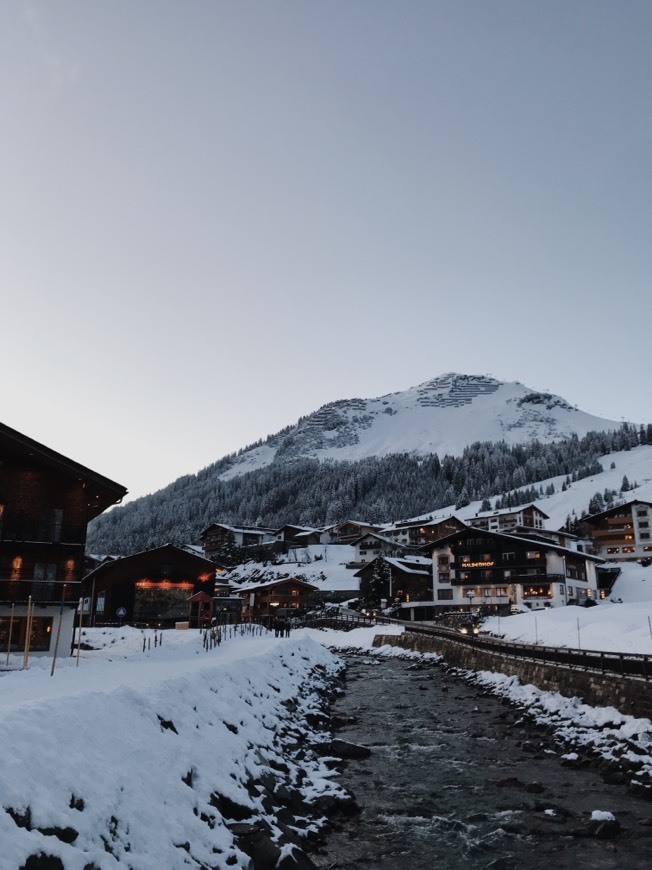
(623, 664)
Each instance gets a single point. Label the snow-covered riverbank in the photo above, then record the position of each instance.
(144, 759)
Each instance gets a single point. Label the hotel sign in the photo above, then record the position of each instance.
(476, 564)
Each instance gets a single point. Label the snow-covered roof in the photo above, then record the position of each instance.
(506, 536)
(507, 511)
(264, 584)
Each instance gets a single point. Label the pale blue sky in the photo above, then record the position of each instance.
(217, 216)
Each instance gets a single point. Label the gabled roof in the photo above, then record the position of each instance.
(248, 530)
(414, 565)
(470, 531)
(164, 550)
(374, 535)
(405, 525)
(507, 511)
(615, 509)
(250, 587)
(101, 492)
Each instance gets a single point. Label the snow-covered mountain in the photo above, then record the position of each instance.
(440, 416)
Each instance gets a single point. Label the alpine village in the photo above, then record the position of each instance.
(489, 552)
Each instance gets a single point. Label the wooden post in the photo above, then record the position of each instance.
(11, 626)
(56, 643)
(28, 631)
(81, 612)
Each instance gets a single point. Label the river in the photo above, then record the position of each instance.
(459, 779)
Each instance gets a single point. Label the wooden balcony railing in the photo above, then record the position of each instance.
(45, 533)
(42, 591)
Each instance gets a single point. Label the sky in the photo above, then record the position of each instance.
(218, 216)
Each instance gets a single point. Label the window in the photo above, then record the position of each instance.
(444, 577)
(487, 592)
(570, 591)
(562, 589)
(501, 591)
(644, 525)
(641, 513)
(444, 594)
(533, 554)
(612, 550)
(99, 607)
(442, 561)
(50, 525)
(508, 573)
(628, 549)
(509, 557)
(45, 575)
(645, 536)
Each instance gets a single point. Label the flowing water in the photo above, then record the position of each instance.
(458, 779)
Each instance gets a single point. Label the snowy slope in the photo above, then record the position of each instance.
(635, 464)
(323, 565)
(441, 416)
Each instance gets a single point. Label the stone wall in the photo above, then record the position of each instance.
(627, 694)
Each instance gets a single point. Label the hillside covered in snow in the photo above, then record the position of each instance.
(443, 416)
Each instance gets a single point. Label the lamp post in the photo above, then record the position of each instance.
(470, 596)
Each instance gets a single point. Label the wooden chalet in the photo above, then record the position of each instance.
(404, 580)
(46, 501)
(347, 532)
(475, 567)
(527, 516)
(413, 534)
(266, 601)
(151, 588)
(296, 536)
(368, 547)
(217, 536)
(622, 533)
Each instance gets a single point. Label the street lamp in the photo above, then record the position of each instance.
(470, 596)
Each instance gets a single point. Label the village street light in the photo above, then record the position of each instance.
(470, 596)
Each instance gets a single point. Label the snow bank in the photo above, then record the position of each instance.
(126, 759)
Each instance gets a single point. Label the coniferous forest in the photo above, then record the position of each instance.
(312, 493)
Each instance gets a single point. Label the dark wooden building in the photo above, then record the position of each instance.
(46, 501)
(622, 533)
(286, 597)
(495, 570)
(396, 580)
(150, 588)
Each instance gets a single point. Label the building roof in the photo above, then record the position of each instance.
(251, 587)
(374, 535)
(507, 511)
(415, 565)
(170, 549)
(612, 510)
(101, 492)
(505, 536)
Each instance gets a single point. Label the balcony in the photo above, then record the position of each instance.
(42, 591)
(499, 580)
(43, 533)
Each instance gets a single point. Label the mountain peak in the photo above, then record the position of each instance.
(442, 415)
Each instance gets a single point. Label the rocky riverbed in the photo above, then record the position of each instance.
(459, 778)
